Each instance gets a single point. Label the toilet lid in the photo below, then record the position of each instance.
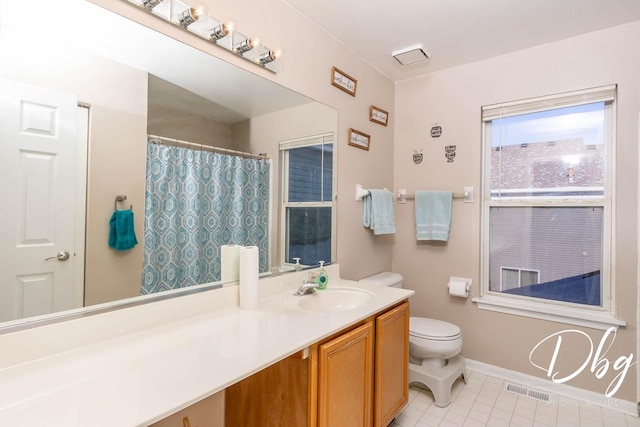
(433, 329)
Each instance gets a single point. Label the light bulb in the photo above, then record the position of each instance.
(150, 4)
(269, 56)
(247, 45)
(221, 31)
(191, 15)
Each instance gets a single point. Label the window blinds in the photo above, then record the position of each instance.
(326, 138)
(515, 108)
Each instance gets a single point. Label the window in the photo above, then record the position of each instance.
(516, 278)
(308, 210)
(547, 220)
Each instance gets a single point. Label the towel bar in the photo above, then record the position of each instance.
(361, 192)
(467, 195)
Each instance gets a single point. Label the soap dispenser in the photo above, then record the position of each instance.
(297, 265)
(322, 278)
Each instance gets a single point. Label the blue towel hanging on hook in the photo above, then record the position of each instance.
(121, 232)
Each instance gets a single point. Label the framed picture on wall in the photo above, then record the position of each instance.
(359, 139)
(343, 81)
(378, 115)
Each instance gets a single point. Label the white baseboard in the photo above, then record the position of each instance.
(557, 390)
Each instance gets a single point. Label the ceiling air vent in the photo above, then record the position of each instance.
(411, 55)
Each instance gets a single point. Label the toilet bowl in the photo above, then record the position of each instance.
(434, 347)
(434, 362)
(432, 342)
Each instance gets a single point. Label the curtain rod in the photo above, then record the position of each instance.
(188, 144)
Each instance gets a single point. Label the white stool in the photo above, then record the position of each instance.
(439, 380)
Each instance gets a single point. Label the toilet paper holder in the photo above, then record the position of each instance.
(459, 286)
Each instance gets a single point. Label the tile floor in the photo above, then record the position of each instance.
(483, 402)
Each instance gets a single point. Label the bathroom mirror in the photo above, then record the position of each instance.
(130, 81)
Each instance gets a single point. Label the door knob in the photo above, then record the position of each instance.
(62, 256)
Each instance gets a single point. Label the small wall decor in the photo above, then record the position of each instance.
(359, 139)
(417, 157)
(343, 81)
(450, 153)
(378, 115)
(436, 131)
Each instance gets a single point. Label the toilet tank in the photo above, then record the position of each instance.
(386, 278)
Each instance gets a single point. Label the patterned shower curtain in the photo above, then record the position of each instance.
(197, 201)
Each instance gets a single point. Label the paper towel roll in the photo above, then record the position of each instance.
(230, 263)
(249, 269)
(459, 287)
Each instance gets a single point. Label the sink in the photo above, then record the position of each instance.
(336, 299)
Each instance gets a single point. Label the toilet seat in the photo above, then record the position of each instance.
(432, 329)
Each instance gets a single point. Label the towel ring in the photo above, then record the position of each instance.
(120, 198)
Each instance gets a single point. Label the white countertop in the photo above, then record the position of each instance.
(146, 373)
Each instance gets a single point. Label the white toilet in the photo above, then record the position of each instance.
(434, 348)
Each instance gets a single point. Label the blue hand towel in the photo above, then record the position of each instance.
(378, 212)
(121, 233)
(433, 215)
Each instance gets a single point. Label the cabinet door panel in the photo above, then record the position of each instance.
(392, 364)
(346, 379)
(276, 396)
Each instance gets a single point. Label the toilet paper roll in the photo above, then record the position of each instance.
(459, 287)
(230, 263)
(249, 270)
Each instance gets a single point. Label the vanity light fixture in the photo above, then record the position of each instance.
(150, 4)
(191, 15)
(246, 45)
(222, 34)
(268, 56)
(221, 31)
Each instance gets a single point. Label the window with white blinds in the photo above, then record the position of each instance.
(547, 200)
(308, 212)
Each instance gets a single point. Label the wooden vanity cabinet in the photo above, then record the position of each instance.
(355, 378)
(392, 364)
(345, 379)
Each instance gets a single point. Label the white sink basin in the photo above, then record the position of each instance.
(336, 299)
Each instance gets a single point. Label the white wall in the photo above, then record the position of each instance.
(453, 98)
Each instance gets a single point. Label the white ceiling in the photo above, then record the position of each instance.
(456, 32)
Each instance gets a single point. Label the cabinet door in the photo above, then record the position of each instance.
(208, 412)
(276, 396)
(392, 364)
(345, 375)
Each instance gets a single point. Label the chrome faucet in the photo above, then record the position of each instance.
(308, 286)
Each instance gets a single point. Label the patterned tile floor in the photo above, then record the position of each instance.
(483, 402)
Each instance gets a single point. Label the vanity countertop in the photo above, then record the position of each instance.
(148, 372)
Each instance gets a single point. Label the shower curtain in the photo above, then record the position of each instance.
(195, 202)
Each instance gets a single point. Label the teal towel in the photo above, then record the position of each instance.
(378, 212)
(121, 233)
(433, 215)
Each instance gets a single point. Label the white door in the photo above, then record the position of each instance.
(38, 157)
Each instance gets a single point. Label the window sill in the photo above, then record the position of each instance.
(550, 312)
